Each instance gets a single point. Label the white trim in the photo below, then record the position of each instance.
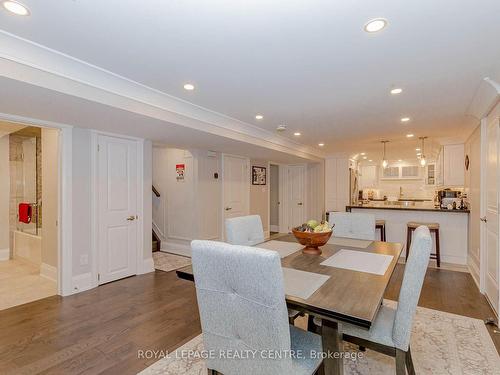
(48, 271)
(183, 249)
(474, 271)
(4, 254)
(25, 61)
(142, 265)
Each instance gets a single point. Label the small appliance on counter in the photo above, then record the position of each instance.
(450, 199)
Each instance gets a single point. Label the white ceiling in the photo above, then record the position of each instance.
(307, 64)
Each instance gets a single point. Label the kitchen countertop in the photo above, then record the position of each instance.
(419, 206)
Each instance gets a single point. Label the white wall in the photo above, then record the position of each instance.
(336, 184)
(190, 208)
(50, 197)
(81, 201)
(259, 195)
(4, 197)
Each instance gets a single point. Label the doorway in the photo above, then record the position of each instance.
(296, 195)
(29, 206)
(235, 187)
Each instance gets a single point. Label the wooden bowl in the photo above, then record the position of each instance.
(312, 241)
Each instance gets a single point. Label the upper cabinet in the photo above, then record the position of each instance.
(401, 172)
(368, 176)
(450, 170)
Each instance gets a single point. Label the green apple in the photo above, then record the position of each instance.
(312, 224)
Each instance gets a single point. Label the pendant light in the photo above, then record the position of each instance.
(423, 162)
(385, 163)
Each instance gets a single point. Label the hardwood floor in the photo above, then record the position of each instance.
(100, 331)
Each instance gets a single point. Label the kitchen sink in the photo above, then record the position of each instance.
(400, 203)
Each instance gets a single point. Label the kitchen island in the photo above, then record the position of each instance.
(453, 225)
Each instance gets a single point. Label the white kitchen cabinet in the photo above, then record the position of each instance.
(337, 183)
(368, 176)
(453, 165)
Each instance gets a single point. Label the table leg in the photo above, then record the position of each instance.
(331, 334)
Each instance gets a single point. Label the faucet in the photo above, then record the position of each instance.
(401, 192)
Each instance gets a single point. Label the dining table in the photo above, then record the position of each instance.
(347, 296)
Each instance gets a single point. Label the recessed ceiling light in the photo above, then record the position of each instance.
(375, 25)
(405, 119)
(400, 160)
(296, 134)
(259, 117)
(321, 144)
(396, 91)
(417, 149)
(419, 153)
(189, 87)
(363, 153)
(409, 135)
(281, 128)
(16, 8)
(370, 160)
(364, 157)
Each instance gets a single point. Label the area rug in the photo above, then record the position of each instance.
(169, 262)
(441, 343)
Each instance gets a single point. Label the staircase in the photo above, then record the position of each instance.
(156, 242)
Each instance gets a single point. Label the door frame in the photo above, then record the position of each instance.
(94, 251)
(249, 176)
(65, 197)
(286, 206)
(269, 164)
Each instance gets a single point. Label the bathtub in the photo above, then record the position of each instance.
(28, 247)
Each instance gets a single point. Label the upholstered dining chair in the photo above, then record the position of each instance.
(244, 230)
(248, 231)
(391, 331)
(353, 225)
(241, 299)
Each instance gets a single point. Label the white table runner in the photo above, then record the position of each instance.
(302, 284)
(282, 247)
(359, 261)
(351, 242)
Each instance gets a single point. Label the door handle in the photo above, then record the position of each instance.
(229, 208)
(299, 204)
(483, 219)
(131, 218)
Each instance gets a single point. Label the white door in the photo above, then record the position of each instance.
(296, 201)
(236, 186)
(117, 208)
(491, 252)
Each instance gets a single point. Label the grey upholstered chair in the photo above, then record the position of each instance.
(244, 230)
(241, 299)
(248, 231)
(353, 225)
(391, 331)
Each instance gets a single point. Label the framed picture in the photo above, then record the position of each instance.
(258, 175)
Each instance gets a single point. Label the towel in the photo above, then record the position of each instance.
(25, 211)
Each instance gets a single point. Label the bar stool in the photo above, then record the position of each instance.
(433, 227)
(380, 224)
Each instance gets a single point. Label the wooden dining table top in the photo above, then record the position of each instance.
(348, 295)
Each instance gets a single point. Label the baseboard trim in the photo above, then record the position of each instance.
(146, 266)
(81, 283)
(49, 272)
(183, 249)
(274, 228)
(4, 254)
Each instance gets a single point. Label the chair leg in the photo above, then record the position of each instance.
(383, 234)
(438, 250)
(311, 327)
(400, 362)
(409, 363)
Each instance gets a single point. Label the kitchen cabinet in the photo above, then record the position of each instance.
(401, 172)
(368, 176)
(452, 165)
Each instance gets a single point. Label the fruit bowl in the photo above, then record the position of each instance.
(312, 241)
